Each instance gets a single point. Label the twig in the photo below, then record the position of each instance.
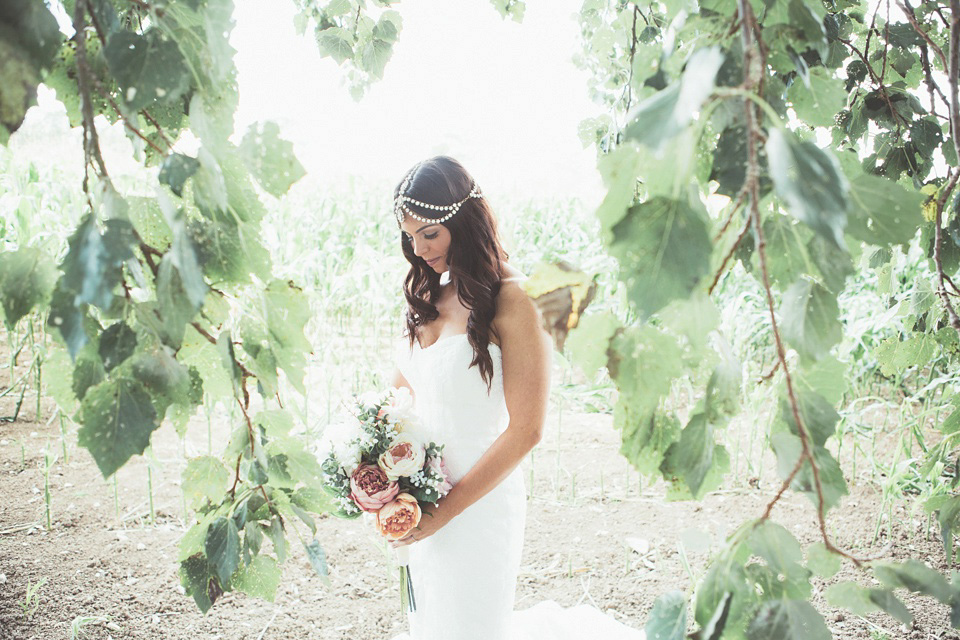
(274, 617)
(769, 374)
(726, 258)
(877, 81)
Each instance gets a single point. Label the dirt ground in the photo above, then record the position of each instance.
(612, 543)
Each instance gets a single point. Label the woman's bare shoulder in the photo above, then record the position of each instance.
(515, 309)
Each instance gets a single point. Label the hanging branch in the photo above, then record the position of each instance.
(753, 186)
(91, 142)
(937, 255)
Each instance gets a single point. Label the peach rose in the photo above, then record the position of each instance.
(404, 457)
(396, 519)
(370, 487)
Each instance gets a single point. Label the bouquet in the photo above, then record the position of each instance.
(375, 464)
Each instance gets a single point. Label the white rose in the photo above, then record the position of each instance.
(399, 409)
(404, 457)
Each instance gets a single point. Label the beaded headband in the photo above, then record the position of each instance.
(400, 203)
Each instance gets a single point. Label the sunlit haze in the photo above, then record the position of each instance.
(503, 98)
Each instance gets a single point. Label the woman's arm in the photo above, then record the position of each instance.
(526, 384)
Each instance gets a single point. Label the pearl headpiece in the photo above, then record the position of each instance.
(400, 203)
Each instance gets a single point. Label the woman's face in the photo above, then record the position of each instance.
(430, 242)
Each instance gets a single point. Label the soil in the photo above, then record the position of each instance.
(610, 542)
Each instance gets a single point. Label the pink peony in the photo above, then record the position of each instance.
(395, 520)
(371, 489)
(439, 467)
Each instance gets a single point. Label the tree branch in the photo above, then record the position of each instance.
(753, 171)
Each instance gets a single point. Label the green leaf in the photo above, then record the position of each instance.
(663, 248)
(694, 318)
(914, 576)
(229, 360)
(58, 380)
(19, 79)
(68, 319)
(810, 183)
(276, 422)
(826, 377)
(725, 580)
(833, 263)
(619, 170)
(822, 561)
(779, 548)
(948, 508)
(897, 356)
(787, 448)
(117, 343)
(87, 372)
(374, 56)
(314, 500)
(27, 277)
(335, 42)
(260, 578)
(882, 212)
(288, 312)
(589, 341)
(863, 601)
(34, 29)
(148, 220)
(198, 582)
(668, 620)
(723, 388)
(818, 101)
(817, 413)
(222, 548)
(290, 463)
(176, 170)
(692, 456)
(275, 532)
(204, 478)
(197, 352)
(810, 319)
(117, 419)
(666, 113)
(173, 310)
(184, 256)
(787, 255)
(91, 268)
(148, 68)
(788, 620)
(646, 434)
(270, 159)
(318, 560)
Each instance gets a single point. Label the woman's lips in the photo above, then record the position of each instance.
(433, 262)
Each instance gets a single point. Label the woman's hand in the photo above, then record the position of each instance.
(431, 521)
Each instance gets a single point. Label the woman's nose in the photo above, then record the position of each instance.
(417, 248)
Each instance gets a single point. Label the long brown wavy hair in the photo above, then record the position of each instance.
(475, 257)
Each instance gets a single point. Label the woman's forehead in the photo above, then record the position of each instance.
(415, 226)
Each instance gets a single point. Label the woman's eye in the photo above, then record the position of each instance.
(430, 237)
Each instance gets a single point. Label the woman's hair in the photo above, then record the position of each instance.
(474, 258)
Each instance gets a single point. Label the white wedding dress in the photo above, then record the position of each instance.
(465, 575)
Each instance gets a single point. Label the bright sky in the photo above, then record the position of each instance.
(503, 98)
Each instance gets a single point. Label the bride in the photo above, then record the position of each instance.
(478, 365)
